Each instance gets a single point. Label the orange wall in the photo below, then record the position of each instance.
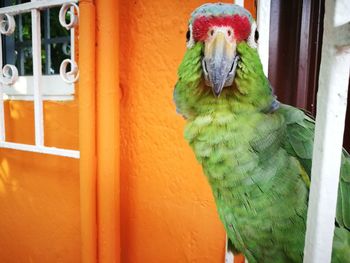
(167, 209)
(168, 213)
(39, 194)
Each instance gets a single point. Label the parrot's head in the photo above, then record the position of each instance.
(220, 28)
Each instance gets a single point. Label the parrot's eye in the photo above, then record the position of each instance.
(253, 37)
(256, 35)
(188, 35)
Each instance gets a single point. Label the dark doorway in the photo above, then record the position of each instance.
(295, 53)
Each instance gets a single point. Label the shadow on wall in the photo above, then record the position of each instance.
(6, 182)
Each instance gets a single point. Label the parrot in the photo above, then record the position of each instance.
(255, 151)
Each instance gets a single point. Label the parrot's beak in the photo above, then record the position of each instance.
(219, 62)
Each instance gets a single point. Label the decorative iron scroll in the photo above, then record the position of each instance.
(72, 9)
(9, 73)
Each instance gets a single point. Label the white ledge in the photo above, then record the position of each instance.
(54, 89)
(41, 149)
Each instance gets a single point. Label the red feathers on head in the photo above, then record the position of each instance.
(239, 24)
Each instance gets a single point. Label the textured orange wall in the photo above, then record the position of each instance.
(168, 213)
(39, 194)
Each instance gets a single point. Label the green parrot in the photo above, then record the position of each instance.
(255, 151)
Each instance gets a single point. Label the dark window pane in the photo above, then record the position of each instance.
(56, 29)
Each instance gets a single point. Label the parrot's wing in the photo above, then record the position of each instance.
(299, 143)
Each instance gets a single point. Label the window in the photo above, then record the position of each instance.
(38, 86)
(56, 47)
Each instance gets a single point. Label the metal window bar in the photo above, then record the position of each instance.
(52, 40)
(9, 43)
(47, 34)
(21, 50)
(9, 73)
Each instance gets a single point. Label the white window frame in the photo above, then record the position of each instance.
(9, 73)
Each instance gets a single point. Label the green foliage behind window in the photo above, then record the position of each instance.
(17, 48)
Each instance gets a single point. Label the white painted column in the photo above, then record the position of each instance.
(263, 22)
(37, 74)
(330, 119)
(239, 2)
